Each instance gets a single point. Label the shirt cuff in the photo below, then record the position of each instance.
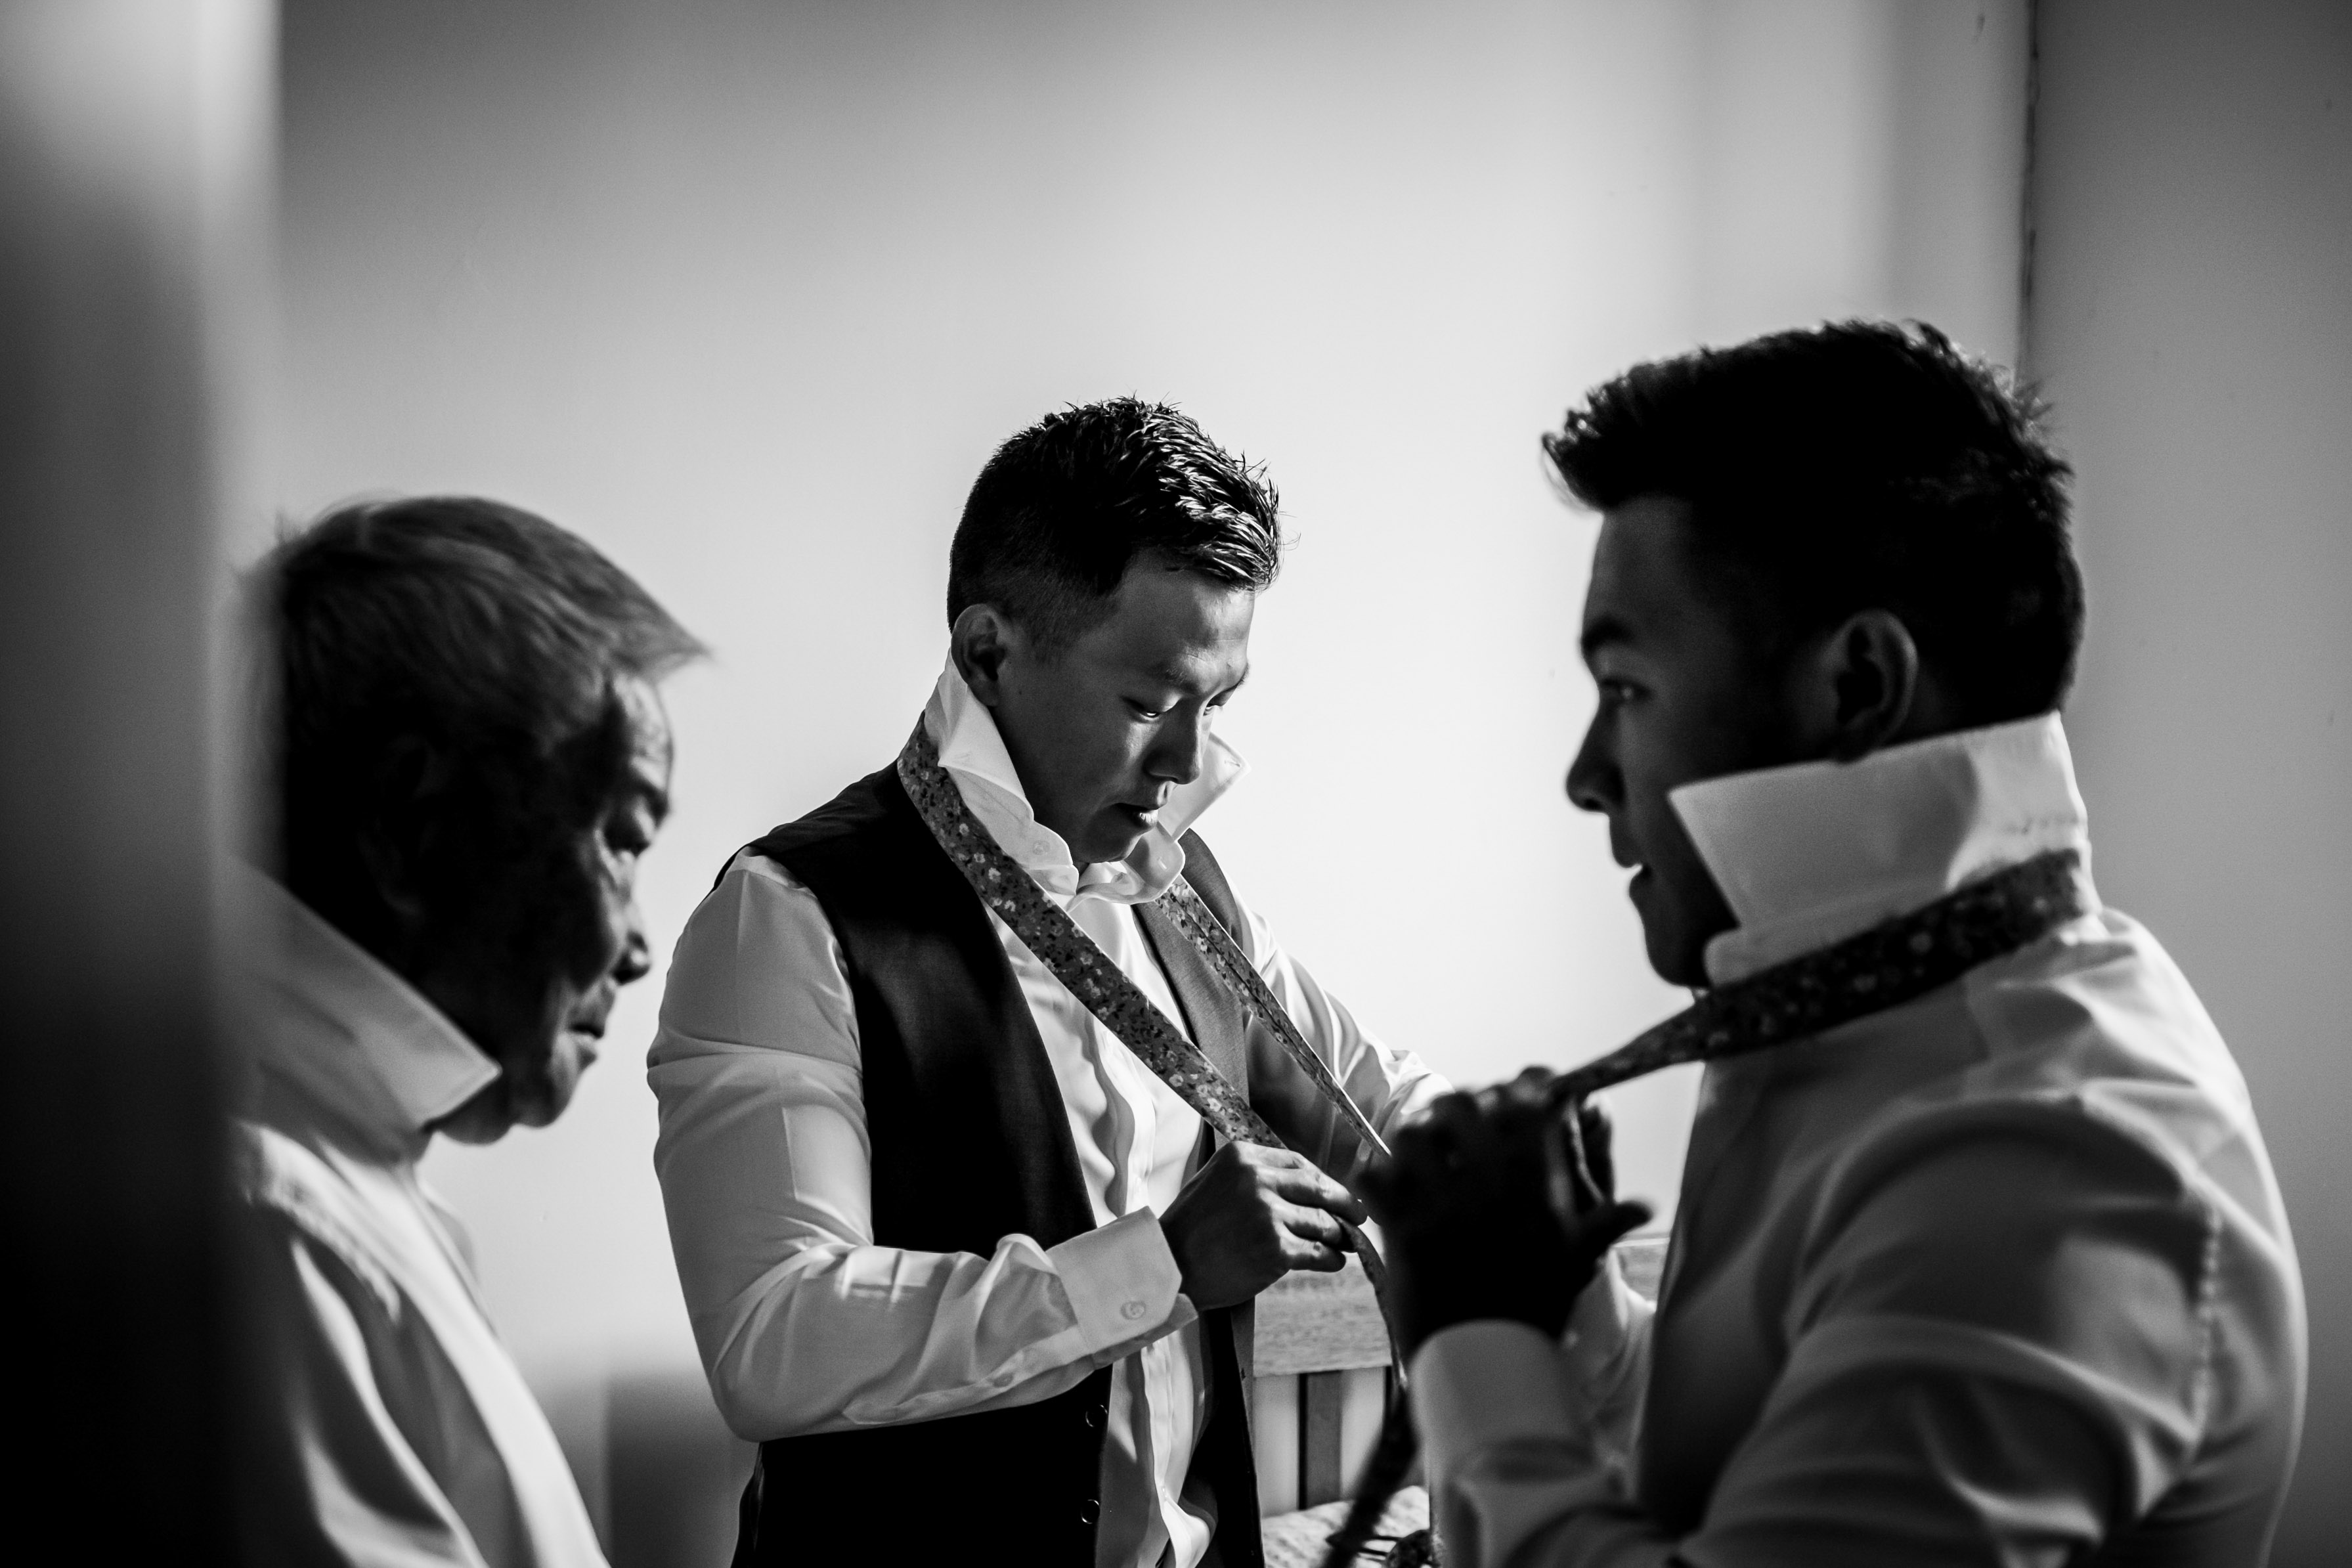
(1601, 1332)
(1122, 1282)
(1508, 1462)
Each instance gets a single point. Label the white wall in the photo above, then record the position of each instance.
(2192, 316)
(746, 293)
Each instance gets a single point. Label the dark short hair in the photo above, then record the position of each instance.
(1065, 507)
(1855, 465)
(491, 635)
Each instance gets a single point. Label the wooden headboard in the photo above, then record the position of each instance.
(1322, 1377)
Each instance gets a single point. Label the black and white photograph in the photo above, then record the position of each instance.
(1270, 784)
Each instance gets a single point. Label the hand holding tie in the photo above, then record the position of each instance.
(1497, 1205)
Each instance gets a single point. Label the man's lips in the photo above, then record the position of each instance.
(587, 1035)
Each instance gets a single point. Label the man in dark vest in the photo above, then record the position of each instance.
(1978, 1260)
(961, 1260)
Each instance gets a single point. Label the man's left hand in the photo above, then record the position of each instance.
(1497, 1205)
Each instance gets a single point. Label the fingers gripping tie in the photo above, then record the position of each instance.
(1076, 960)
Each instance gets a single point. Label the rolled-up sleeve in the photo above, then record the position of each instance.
(803, 1323)
(1995, 1357)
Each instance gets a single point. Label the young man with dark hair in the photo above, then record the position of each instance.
(939, 1063)
(469, 758)
(1979, 1259)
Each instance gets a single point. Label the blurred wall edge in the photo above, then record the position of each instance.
(134, 155)
(2191, 317)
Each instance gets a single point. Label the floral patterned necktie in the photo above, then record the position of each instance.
(1893, 963)
(1079, 964)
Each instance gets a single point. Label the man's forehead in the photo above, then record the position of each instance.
(1204, 666)
(652, 748)
(1177, 627)
(1642, 578)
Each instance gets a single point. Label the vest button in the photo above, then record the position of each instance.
(1094, 1417)
(1090, 1511)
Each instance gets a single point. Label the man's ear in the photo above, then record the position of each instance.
(1859, 685)
(404, 828)
(981, 641)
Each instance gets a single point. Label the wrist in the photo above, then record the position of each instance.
(1121, 1279)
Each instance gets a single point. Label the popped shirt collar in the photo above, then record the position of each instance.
(1812, 853)
(973, 750)
(330, 1019)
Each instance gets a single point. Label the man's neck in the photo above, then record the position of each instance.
(1812, 853)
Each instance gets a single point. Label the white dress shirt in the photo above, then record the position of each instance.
(1997, 1277)
(803, 1323)
(400, 1431)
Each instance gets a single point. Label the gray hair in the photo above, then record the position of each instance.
(487, 637)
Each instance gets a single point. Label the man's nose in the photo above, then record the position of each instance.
(1593, 783)
(636, 960)
(1177, 757)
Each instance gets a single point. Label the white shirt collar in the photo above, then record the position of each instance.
(1809, 854)
(972, 752)
(328, 1018)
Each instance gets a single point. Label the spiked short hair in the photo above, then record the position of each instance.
(1854, 466)
(1064, 508)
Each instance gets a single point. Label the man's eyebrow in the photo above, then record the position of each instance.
(1187, 679)
(1601, 632)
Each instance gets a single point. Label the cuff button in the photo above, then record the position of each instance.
(1131, 1311)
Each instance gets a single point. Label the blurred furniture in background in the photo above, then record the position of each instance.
(675, 1472)
(1300, 1540)
(1323, 1383)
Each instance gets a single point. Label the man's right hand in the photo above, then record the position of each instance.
(1251, 1216)
(1473, 1224)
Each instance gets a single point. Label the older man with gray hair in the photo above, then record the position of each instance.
(469, 759)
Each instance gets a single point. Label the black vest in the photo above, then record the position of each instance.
(971, 1144)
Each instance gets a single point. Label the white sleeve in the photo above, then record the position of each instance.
(1491, 1396)
(1389, 1086)
(804, 1325)
(1511, 1451)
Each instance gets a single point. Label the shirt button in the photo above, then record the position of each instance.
(1090, 1511)
(1131, 1311)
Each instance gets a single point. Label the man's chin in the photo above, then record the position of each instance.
(1676, 953)
(547, 1094)
(484, 1119)
(1677, 962)
(533, 1098)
